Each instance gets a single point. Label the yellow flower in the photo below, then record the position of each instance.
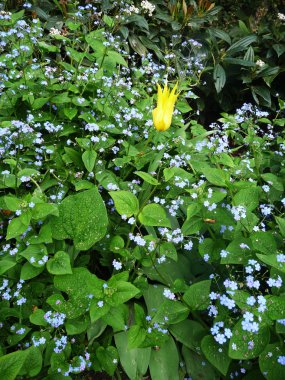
(162, 114)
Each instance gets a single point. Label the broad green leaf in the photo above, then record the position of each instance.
(275, 307)
(154, 215)
(41, 210)
(89, 159)
(188, 332)
(268, 361)
(242, 44)
(192, 225)
(117, 58)
(126, 203)
(239, 251)
(29, 271)
(219, 76)
(217, 177)
(273, 181)
(12, 203)
(117, 317)
(248, 198)
(197, 366)
(16, 227)
(59, 264)
(147, 178)
(37, 318)
(108, 358)
(272, 261)
(220, 34)
(122, 291)
(263, 241)
(33, 363)
(216, 354)
(70, 113)
(281, 225)
(6, 264)
(135, 362)
(77, 326)
(39, 103)
(96, 311)
(164, 362)
(136, 336)
(11, 364)
(240, 347)
(79, 286)
(175, 311)
(82, 218)
(197, 296)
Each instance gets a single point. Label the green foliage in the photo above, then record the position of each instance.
(126, 249)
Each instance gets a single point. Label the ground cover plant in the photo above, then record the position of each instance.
(136, 243)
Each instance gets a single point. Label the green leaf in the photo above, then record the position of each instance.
(12, 203)
(16, 227)
(126, 203)
(268, 361)
(41, 210)
(219, 76)
(281, 225)
(197, 366)
(39, 103)
(188, 332)
(175, 311)
(216, 354)
(70, 113)
(135, 362)
(220, 34)
(78, 287)
(11, 364)
(97, 312)
(217, 177)
(5, 265)
(59, 264)
(275, 307)
(77, 326)
(263, 241)
(117, 58)
(273, 181)
(136, 336)
(197, 296)
(236, 254)
(249, 54)
(239, 347)
(28, 271)
(164, 362)
(50, 48)
(122, 292)
(272, 261)
(192, 226)
(83, 218)
(154, 215)
(239, 61)
(116, 317)
(241, 44)
(33, 364)
(108, 358)
(263, 92)
(279, 48)
(89, 159)
(37, 318)
(147, 178)
(61, 98)
(248, 198)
